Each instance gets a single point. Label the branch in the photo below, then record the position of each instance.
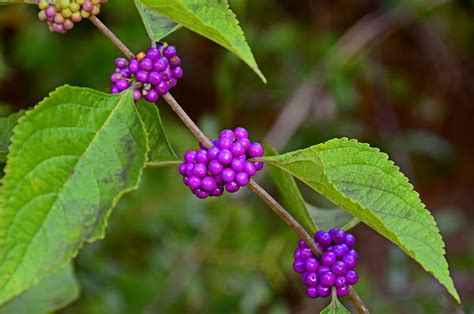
(114, 39)
(253, 186)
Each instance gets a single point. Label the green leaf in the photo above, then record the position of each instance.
(71, 159)
(52, 293)
(292, 199)
(160, 149)
(212, 19)
(335, 307)
(6, 132)
(328, 218)
(157, 26)
(363, 181)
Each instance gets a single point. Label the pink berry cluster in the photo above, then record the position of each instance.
(208, 172)
(63, 14)
(335, 267)
(156, 71)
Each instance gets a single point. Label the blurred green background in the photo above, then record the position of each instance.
(395, 74)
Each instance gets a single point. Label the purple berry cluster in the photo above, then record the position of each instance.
(335, 267)
(158, 70)
(63, 14)
(208, 172)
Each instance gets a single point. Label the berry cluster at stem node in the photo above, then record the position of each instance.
(225, 166)
(334, 268)
(155, 73)
(63, 14)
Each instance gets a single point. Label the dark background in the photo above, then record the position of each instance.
(395, 74)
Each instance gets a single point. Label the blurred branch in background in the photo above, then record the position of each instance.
(311, 94)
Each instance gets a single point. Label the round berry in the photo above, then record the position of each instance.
(340, 281)
(153, 53)
(323, 269)
(328, 258)
(311, 264)
(208, 184)
(228, 175)
(297, 254)
(152, 95)
(338, 236)
(302, 244)
(242, 178)
(121, 63)
(201, 193)
(142, 76)
(122, 84)
(352, 277)
(349, 240)
(255, 150)
(312, 292)
(154, 78)
(169, 52)
(161, 64)
(190, 156)
(327, 279)
(217, 191)
(200, 170)
(225, 143)
(146, 64)
(342, 291)
(232, 187)
(350, 261)
(241, 133)
(238, 165)
(194, 182)
(340, 250)
(306, 253)
(225, 156)
(339, 268)
(324, 239)
(311, 279)
(249, 168)
(323, 291)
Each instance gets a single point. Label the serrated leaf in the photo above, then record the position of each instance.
(71, 159)
(363, 181)
(335, 307)
(157, 26)
(212, 19)
(160, 149)
(6, 132)
(52, 293)
(291, 197)
(328, 218)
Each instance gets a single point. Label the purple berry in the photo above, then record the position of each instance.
(225, 156)
(350, 261)
(182, 168)
(217, 191)
(352, 277)
(152, 95)
(142, 76)
(242, 178)
(255, 150)
(237, 149)
(306, 253)
(121, 63)
(227, 134)
(232, 187)
(340, 281)
(349, 240)
(189, 169)
(342, 291)
(324, 239)
(328, 258)
(354, 253)
(146, 64)
(215, 167)
(190, 156)
(114, 77)
(298, 266)
(153, 53)
(311, 279)
(137, 95)
(245, 142)
(338, 236)
(339, 268)
(200, 170)
(162, 88)
(297, 254)
(114, 90)
(169, 52)
(174, 62)
(208, 184)
(312, 292)
(122, 84)
(323, 291)
(323, 269)
(134, 66)
(154, 78)
(238, 165)
(177, 73)
(258, 165)
(225, 143)
(50, 11)
(327, 279)
(213, 152)
(161, 64)
(194, 182)
(241, 133)
(302, 244)
(249, 168)
(340, 250)
(311, 264)
(228, 175)
(201, 194)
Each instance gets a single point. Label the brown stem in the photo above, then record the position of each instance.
(253, 186)
(107, 32)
